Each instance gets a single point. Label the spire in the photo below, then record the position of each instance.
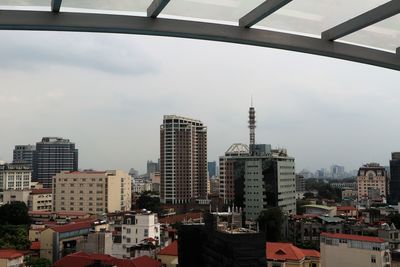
(252, 124)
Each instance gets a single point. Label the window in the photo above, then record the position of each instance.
(373, 258)
(146, 232)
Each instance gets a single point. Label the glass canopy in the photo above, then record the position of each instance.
(300, 17)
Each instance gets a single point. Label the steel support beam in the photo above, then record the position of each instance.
(261, 12)
(55, 5)
(366, 19)
(156, 7)
(86, 22)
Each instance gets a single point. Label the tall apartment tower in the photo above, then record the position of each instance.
(183, 160)
(24, 154)
(395, 178)
(53, 155)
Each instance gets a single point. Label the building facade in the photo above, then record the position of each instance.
(24, 154)
(183, 163)
(353, 250)
(372, 182)
(92, 192)
(15, 176)
(395, 178)
(41, 200)
(52, 155)
(300, 183)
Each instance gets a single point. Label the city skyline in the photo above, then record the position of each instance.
(328, 112)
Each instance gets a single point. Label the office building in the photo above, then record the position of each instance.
(152, 167)
(94, 192)
(353, 250)
(300, 183)
(257, 177)
(15, 176)
(372, 182)
(24, 154)
(53, 155)
(337, 171)
(212, 168)
(395, 178)
(183, 164)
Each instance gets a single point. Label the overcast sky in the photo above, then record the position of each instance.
(108, 93)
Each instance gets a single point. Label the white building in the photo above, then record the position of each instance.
(15, 176)
(140, 185)
(136, 229)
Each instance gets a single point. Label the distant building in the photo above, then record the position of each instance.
(95, 192)
(344, 185)
(353, 250)
(15, 176)
(155, 181)
(11, 258)
(133, 173)
(395, 178)
(212, 168)
(140, 185)
(300, 183)
(53, 155)
(24, 154)
(40, 200)
(183, 164)
(337, 171)
(152, 167)
(372, 182)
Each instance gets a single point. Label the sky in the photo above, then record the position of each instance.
(108, 93)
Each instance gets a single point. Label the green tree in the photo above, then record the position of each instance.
(15, 213)
(270, 222)
(148, 201)
(14, 236)
(39, 262)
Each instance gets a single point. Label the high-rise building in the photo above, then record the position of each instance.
(152, 167)
(24, 154)
(372, 182)
(300, 183)
(337, 171)
(257, 178)
(95, 192)
(395, 178)
(53, 155)
(15, 176)
(183, 164)
(212, 168)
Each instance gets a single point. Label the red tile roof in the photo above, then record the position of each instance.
(81, 259)
(35, 245)
(171, 250)
(72, 213)
(287, 251)
(72, 226)
(355, 237)
(41, 191)
(181, 217)
(10, 254)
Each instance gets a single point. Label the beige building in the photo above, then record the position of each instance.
(169, 255)
(41, 200)
(288, 255)
(11, 258)
(16, 195)
(372, 182)
(353, 250)
(95, 192)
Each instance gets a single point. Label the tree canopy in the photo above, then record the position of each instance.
(15, 213)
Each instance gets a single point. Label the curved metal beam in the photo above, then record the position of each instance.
(84, 22)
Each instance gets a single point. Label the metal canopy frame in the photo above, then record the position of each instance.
(242, 34)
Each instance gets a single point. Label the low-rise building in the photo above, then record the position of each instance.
(95, 192)
(41, 200)
(353, 250)
(168, 256)
(320, 210)
(11, 258)
(15, 176)
(390, 234)
(288, 255)
(16, 195)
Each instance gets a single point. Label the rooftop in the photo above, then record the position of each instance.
(72, 226)
(10, 254)
(41, 191)
(373, 239)
(287, 251)
(319, 207)
(171, 250)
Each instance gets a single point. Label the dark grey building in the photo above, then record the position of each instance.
(23, 154)
(212, 168)
(52, 155)
(152, 167)
(300, 183)
(395, 178)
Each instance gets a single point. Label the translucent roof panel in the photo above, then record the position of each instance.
(312, 17)
(383, 35)
(225, 11)
(22, 4)
(108, 6)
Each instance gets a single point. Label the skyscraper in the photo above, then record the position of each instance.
(23, 154)
(152, 167)
(395, 178)
(53, 155)
(183, 160)
(212, 168)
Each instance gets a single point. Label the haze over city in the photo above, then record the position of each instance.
(108, 93)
